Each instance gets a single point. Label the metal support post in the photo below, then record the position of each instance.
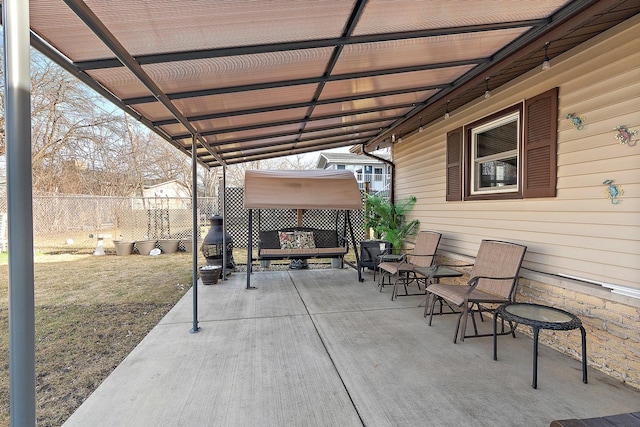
(250, 249)
(22, 371)
(194, 225)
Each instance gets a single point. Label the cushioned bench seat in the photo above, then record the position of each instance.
(301, 253)
(325, 244)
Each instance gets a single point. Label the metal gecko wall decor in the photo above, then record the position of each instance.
(625, 135)
(577, 120)
(613, 191)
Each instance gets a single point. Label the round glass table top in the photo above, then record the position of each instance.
(539, 313)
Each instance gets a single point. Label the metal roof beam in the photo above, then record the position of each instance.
(307, 44)
(285, 152)
(311, 80)
(320, 129)
(333, 116)
(303, 104)
(294, 133)
(286, 122)
(340, 138)
(356, 13)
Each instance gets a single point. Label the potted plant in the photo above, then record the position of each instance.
(209, 274)
(389, 221)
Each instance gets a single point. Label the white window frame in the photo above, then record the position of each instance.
(474, 166)
(377, 174)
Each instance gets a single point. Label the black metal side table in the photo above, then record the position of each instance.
(539, 317)
(370, 251)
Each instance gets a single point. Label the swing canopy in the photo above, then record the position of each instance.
(301, 189)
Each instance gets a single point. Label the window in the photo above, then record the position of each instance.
(510, 154)
(494, 147)
(340, 167)
(377, 174)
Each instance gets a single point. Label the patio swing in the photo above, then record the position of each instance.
(300, 191)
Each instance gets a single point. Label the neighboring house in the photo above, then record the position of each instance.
(366, 169)
(543, 182)
(166, 189)
(164, 195)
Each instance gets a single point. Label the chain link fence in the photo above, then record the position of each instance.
(72, 224)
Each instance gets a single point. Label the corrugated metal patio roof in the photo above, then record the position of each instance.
(255, 80)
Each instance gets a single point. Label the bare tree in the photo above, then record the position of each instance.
(235, 173)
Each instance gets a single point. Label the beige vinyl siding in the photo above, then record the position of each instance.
(579, 232)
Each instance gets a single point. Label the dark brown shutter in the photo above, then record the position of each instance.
(540, 141)
(454, 165)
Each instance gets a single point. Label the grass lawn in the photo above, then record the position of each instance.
(90, 312)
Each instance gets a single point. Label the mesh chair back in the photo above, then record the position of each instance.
(426, 245)
(498, 259)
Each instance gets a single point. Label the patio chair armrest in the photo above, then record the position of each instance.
(455, 265)
(423, 254)
(473, 282)
(403, 260)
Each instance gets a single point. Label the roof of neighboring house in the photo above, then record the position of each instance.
(150, 185)
(347, 158)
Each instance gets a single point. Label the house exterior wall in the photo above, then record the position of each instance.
(167, 189)
(578, 233)
(168, 195)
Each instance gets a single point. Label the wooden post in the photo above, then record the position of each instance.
(300, 212)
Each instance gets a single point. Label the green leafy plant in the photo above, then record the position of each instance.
(388, 221)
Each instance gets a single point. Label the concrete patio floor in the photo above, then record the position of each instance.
(318, 348)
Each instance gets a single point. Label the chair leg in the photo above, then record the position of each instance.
(480, 312)
(405, 281)
(473, 320)
(426, 303)
(382, 283)
(394, 293)
(455, 335)
(464, 314)
(433, 304)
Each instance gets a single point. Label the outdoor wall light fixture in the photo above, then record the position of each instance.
(400, 136)
(446, 110)
(487, 93)
(420, 129)
(545, 63)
